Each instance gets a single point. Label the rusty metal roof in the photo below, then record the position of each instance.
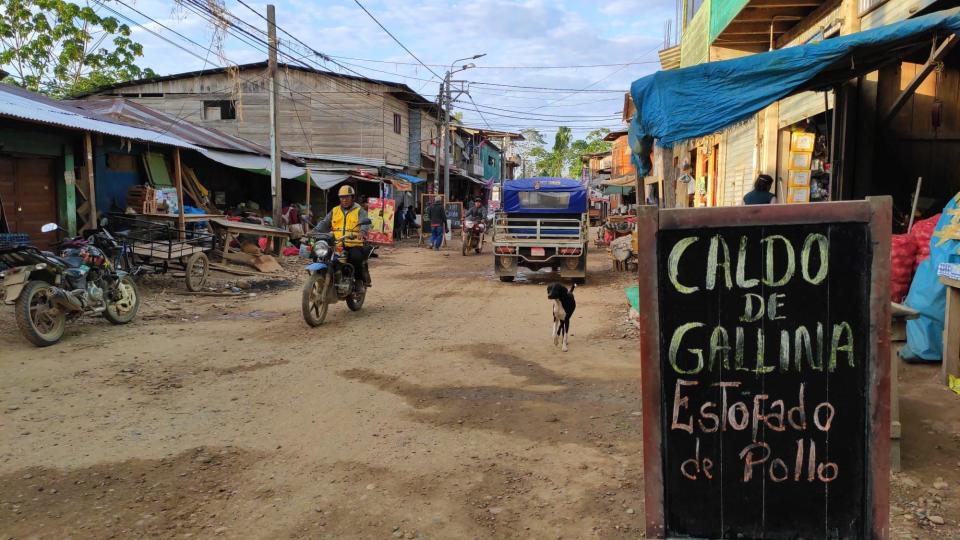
(32, 107)
(130, 112)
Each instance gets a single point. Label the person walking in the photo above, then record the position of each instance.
(410, 221)
(761, 191)
(438, 221)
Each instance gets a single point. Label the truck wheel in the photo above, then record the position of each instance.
(38, 321)
(507, 279)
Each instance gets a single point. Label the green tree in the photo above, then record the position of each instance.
(591, 144)
(62, 48)
(530, 148)
(553, 162)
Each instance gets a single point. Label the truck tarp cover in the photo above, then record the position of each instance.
(682, 104)
(544, 196)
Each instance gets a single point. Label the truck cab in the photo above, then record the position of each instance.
(543, 224)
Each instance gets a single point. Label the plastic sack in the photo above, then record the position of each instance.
(903, 254)
(633, 297)
(925, 334)
(922, 232)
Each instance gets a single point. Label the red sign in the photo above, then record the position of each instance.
(380, 212)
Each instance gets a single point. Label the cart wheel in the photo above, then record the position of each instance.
(197, 269)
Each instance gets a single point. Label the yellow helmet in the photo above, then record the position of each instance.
(346, 191)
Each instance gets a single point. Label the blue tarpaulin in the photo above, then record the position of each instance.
(681, 104)
(544, 196)
(408, 177)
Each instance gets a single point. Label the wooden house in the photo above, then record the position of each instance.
(323, 116)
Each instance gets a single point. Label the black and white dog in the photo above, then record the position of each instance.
(563, 307)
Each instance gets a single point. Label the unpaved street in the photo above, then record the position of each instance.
(442, 410)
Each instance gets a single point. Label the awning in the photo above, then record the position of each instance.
(252, 163)
(409, 177)
(682, 104)
(472, 179)
(327, 181)
(361, 178)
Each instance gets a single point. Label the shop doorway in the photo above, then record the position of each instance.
(29, 196)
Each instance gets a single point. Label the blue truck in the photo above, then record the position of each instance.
(543, 223)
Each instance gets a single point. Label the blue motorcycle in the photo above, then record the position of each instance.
(331, 277)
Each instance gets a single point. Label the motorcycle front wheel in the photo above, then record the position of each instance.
(125, 308)
(37, 318)
(314, 304)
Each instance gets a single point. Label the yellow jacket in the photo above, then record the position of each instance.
(347, 224)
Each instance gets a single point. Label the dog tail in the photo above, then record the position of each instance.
(574, 287)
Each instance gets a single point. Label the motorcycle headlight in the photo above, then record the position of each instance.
(321, 249)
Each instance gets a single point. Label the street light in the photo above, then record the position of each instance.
(444, 143)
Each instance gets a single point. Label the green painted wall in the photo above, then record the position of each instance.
(694, 44)
(721, 13)
(30, 141)
(490, 170)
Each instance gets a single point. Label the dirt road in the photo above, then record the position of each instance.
(442, 410)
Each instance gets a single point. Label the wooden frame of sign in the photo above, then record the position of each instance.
(741, 444)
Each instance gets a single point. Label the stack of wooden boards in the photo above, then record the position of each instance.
(143, 199)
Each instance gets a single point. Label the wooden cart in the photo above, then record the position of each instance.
(156, 247)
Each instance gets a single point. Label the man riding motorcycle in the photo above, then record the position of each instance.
(345, 220)
(476, 212)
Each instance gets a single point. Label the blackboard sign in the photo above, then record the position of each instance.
(455, 215)
(766, 385)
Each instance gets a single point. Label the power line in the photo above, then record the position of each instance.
(397, 40)
(581, 66)
(574, 116)
(331, 108)
(594, 83)
(484, 118)
(543, 88)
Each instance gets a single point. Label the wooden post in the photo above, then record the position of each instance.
(69, 204)
(275, 179)
(178, 183)
(91, 186)
(309, 181)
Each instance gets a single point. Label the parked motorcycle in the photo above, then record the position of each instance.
(48, 290)
(473, 233)
(331, 277)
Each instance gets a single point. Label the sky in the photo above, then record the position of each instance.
(523, 35)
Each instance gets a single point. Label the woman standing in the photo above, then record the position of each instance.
(761, 191)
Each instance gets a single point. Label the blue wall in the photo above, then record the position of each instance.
(112, 186)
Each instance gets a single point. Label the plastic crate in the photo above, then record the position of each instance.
(12, 240)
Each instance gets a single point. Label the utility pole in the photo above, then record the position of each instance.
(440, 145)
(446, 131)
(276, 187)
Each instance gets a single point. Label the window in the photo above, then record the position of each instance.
(544, 200)
(869, 5)
(220, 110)
(397, 123)
(692, 7)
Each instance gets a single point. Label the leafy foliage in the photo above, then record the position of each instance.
(566, 154)
(62, 48)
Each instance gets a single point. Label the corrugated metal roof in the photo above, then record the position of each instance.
(399, 88)
(134, 113)
(24, 105)
(355, 160)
